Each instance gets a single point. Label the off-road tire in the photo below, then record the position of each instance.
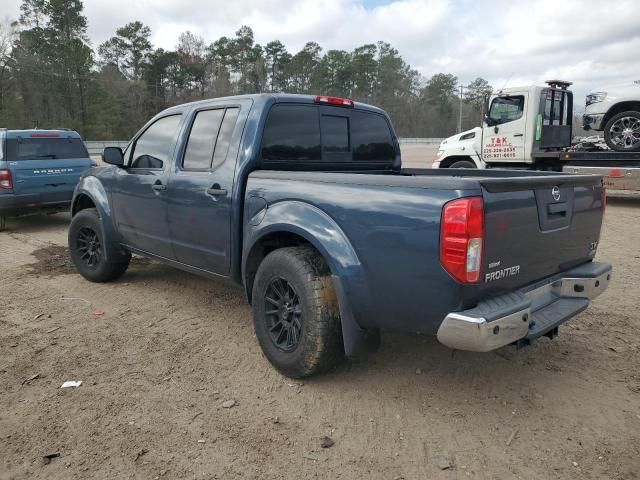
(462, 164)
(607, 132)
(319, 345)
(104, 267)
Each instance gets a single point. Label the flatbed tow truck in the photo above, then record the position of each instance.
(531, 128)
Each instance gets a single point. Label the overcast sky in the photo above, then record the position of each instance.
(508, 42)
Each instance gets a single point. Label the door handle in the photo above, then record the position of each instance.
(158, 186)
(215, 190)
(518, 135)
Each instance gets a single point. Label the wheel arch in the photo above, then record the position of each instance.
(623, 106)
(447, 162)
(90, 193)
(308, 225)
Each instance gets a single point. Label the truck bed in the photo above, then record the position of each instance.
(393, 219)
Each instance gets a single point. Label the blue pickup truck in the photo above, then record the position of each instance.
(303, 202)
(39, 170)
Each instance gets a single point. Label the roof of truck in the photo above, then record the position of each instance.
(278, 97)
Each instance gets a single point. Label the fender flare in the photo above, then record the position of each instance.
(324, 234)
(92, 188)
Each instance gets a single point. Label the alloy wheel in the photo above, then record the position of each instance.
(283, 314)
(625, 132)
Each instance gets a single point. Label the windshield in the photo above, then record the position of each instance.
(45, 148)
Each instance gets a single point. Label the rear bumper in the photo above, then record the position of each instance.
(525, 314)
(12, 205)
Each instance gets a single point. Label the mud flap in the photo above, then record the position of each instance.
(357, 340)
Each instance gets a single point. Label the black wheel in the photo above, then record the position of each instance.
(295, 312)
(88, 249)
(3, 223)
(622, 132)
(463, 164)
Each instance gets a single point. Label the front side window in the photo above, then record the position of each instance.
(506, 109)
(292, 133)
(153, 147)
(45, 148)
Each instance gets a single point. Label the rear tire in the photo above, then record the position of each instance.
(463, 164)
(295, 312)
(88, 249)
(622, 132)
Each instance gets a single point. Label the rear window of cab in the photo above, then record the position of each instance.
(311, 133)
(30, 148)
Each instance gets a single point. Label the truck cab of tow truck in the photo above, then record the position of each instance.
(522, 127)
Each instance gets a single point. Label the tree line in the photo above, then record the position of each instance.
(52, 77)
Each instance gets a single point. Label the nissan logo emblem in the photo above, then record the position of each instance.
(555, 191)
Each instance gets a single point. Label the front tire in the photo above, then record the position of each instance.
(463, 164)
(88, 249)
(622, 132)
(295, 312)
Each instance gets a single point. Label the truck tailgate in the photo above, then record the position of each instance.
(538, 226)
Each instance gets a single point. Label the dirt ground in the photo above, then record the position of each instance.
(160, 351)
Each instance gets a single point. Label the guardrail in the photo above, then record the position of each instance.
(95, 148)
(420, 140)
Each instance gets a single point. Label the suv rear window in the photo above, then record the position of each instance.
(300, 133)
(45, 148)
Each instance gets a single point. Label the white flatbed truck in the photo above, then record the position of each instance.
(531, 128)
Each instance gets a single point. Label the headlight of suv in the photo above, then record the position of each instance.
(596, 97)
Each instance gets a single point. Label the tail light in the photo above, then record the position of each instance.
(6, 182)
(342, 102)
(462, 238)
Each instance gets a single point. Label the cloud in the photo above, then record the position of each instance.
(589, 42)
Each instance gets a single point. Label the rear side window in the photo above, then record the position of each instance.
(328, 134)
(153, 147)
(292, 132)
(224, 137)
(202, 139)
(210, 138)
(45, 148)
(372, 140)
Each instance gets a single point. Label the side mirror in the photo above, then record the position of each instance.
(488, 120)
(113, 156)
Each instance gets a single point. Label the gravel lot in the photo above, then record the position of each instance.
(160, 351)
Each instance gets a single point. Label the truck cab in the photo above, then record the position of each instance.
(522, 126)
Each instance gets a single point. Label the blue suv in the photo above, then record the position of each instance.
(39, 170)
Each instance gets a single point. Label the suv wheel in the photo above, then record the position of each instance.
(88, 248)
(295, 312)
(622, 132)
